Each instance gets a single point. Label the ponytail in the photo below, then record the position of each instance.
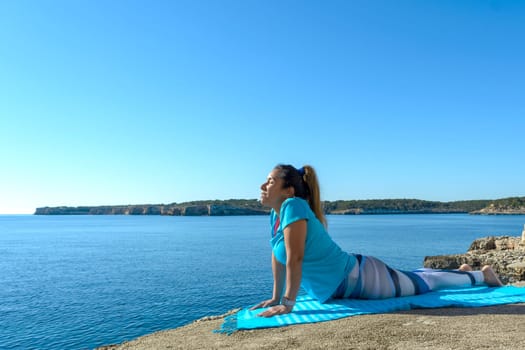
(305, 184)
(314, 198)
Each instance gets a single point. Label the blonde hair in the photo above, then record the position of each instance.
(314, 198)
(306, 186)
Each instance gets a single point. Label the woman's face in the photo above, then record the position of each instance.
(272, 192)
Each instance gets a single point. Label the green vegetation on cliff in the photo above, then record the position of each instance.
(511, 205)
(377, 206)
(194, 208)
(511, 202)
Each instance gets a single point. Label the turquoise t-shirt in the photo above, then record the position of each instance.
(325, 264)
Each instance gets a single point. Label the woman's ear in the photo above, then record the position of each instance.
(290, 191)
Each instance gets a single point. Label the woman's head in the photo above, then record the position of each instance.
(293, 179)
(288, 182)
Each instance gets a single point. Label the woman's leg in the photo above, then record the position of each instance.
(378, 281)
(491, 278)
(443, 279)
(462, 277)
(465, 267)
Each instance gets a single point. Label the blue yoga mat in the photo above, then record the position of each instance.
(308, 310)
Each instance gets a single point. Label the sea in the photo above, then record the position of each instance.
(79, 282)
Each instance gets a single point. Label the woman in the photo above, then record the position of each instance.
(303, 254)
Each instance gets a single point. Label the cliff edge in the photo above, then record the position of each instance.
(495, 327)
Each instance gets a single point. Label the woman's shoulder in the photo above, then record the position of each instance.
(295, 201)
(295, 204)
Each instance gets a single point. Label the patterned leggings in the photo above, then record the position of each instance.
(373, 279)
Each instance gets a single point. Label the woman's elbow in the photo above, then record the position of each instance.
(294, 260)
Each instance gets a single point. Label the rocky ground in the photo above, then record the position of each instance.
(506, 255)
(498, 327)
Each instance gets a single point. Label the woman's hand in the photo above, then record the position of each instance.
(276, 310)
(266, 303)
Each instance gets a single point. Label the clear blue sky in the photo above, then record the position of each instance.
(131, 102)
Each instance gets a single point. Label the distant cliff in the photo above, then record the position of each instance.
(505, 206)
(514, 205)
(402, 206)
(201, 208)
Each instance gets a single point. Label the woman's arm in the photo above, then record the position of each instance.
(294, 239)
(279, 271)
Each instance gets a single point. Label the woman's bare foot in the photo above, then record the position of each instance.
(465, 267)
(490, 276)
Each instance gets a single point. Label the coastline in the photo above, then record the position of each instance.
(494, 327)
(235, 207)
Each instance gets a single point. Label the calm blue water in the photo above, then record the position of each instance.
(78, 282)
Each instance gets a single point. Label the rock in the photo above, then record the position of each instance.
(217, 317)
(135, 210)
(505, 254)
(222, 210)
(170, 210)
(451, 262)
(483, 244)
(196, 210)
(151, 210)
(518, 270)
(500, 209)
(497, 243)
